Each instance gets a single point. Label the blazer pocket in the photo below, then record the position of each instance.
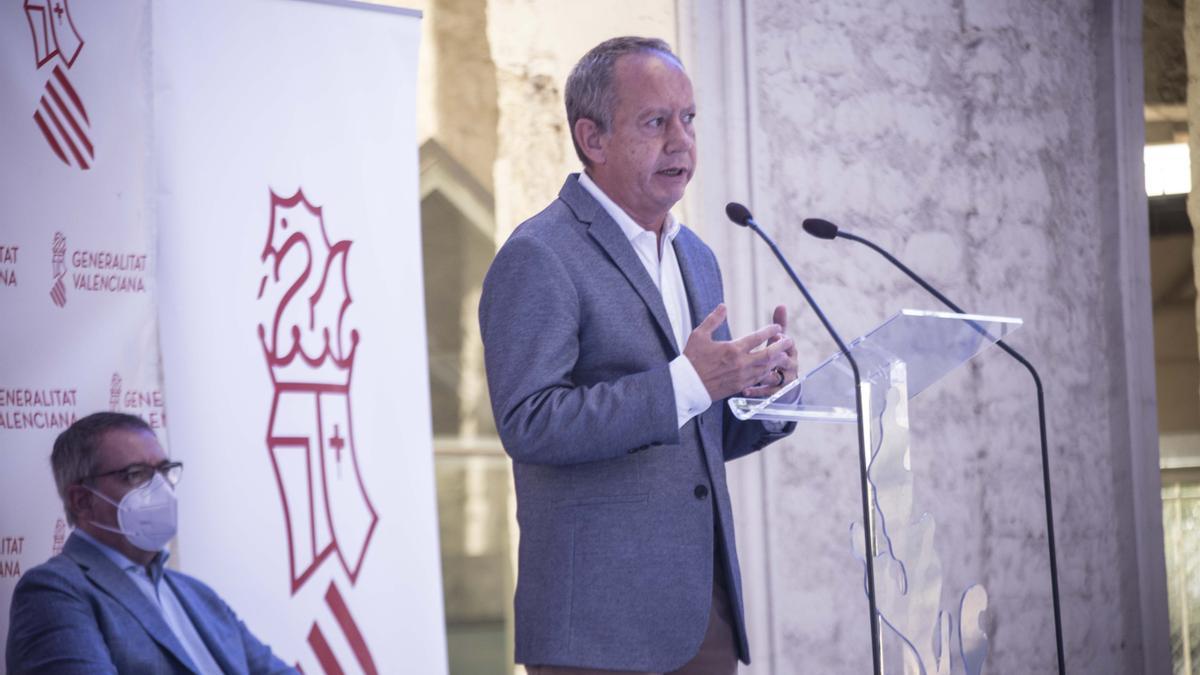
(610, 559)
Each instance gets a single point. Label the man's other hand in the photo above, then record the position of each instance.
(784, 373)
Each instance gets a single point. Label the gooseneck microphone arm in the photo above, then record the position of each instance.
(824, 229)
(740, 215)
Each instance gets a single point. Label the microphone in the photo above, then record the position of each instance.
(740, 215)
(823, 229)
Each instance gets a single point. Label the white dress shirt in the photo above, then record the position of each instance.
(691, 397)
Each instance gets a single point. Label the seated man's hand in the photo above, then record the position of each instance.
(727, 368)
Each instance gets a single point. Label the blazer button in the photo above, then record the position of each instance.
(701, 491)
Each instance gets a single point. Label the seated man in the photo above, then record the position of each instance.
(107, 604)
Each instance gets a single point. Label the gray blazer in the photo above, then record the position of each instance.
(615, 503)
(80, 613)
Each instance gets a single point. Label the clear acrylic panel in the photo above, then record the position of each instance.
(926, 629)
(931, 344)
(920, 635)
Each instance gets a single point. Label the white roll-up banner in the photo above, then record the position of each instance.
(78, 288)
(214, 220)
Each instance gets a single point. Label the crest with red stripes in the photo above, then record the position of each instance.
(60, 114)
(58, 269)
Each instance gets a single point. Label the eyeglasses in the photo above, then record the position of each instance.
(138, 474)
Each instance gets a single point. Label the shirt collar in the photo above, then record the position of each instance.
(154, 570)
(628, 225)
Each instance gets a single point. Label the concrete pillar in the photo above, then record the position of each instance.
(995, 146)
(1191, 37)
(465, 85)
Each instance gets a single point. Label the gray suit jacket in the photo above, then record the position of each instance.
(80, 613)
(615, 503)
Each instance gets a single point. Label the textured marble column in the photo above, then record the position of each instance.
(992, 146)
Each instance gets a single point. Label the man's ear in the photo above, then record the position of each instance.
(591, 139)
(79, 502)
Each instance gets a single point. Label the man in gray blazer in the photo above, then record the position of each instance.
(608, 361)
(107, 604)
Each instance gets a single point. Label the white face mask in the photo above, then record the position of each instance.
(146, 514)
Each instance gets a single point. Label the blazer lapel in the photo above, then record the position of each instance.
(702, 296)
(113, 581)
(606, 232)
(213, 637)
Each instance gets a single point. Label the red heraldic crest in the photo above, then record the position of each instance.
(61, 115)
(310, 351)
(114, 393)
(58, 269)
(53, 31)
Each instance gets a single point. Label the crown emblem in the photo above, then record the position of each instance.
(308, 341)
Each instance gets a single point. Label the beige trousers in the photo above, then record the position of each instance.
(717, 656)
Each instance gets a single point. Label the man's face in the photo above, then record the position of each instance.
(120, 449)
(648, 156)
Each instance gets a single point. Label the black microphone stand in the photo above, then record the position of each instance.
(1041, 402)
(741, 216)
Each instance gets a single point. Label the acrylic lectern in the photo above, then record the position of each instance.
(902, 357)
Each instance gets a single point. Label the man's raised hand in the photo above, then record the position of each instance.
(727, 368)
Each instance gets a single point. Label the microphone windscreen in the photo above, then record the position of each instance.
(738, 213)
(822, 229)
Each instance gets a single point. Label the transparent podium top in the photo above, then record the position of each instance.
(931, 344)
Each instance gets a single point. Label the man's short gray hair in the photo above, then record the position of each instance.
(74, 457)
(590, 92)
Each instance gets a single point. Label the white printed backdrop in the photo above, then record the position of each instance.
(278, 214)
